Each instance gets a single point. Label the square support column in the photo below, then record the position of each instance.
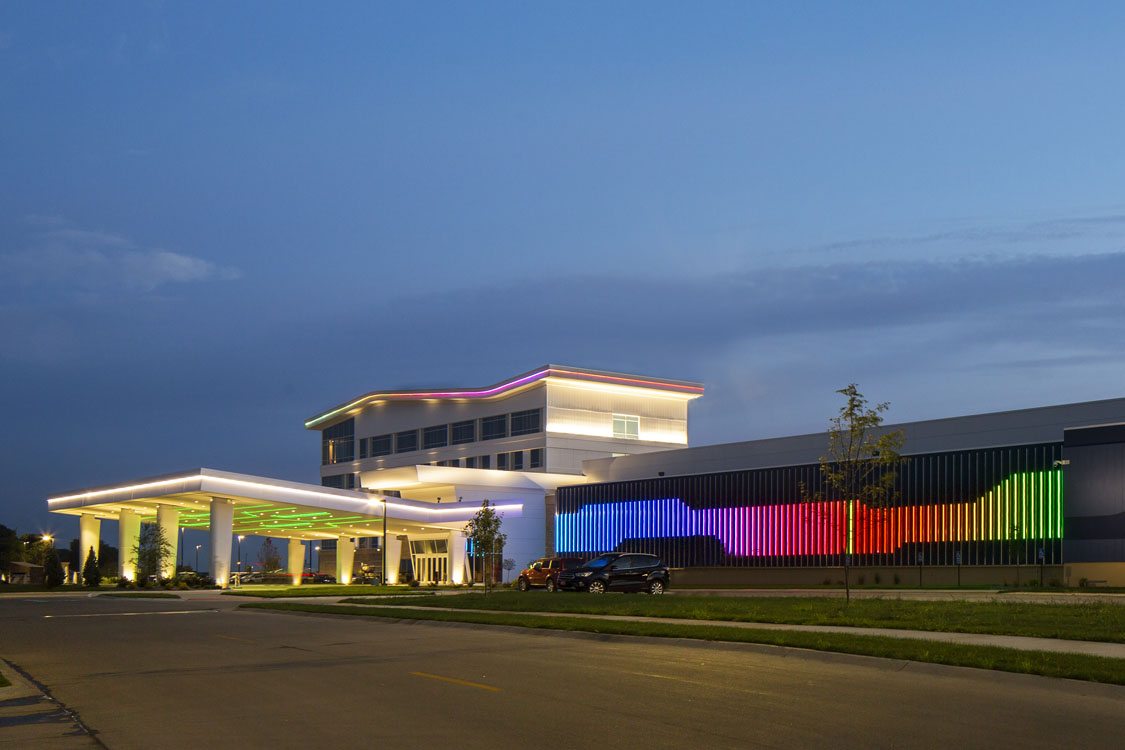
(222, 525)
(393, 547)
(89, 536)
(345, 558)
(128, 535)
(296, 560)
(458, 559)
(168, 519)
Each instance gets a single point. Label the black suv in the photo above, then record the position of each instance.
(617, 572)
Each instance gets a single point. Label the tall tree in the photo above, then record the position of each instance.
(269, 556)
(11, 550)
(484, 529)
(152, 551)
(91, 576)
(859, 467)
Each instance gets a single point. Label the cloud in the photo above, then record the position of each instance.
(87, 261)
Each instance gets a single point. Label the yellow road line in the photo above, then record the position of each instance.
(458, 682)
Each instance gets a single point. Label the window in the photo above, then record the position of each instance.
(471, 462)
(626, 426)
(406, 441)
(381, 446)
(435, 437)
(363, 448)
(339, 481)
(536, 459)
(526, 422)
(517, 460)
(464, 432)
(484, 462)
(337, 443)
(494, 427)
(502, 461)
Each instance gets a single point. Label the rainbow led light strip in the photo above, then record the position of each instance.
(504, 387)
(1026, 505)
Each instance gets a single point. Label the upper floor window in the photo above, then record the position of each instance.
(337, 443)
(382, 445)
(406, 441)
(464, 432)
(626, 426)
(535, 460)
(494, 427)
(435, 437)
(526, 422)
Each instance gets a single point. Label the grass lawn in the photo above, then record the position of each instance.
(142, 595)
(1079, 621)
(326, 589)
(1072, 666)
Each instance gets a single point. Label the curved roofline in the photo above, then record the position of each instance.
(687, 387)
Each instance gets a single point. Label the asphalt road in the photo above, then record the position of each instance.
(192, 673)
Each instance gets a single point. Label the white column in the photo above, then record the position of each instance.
(296, 560)
(128, 535)
(89, 535)
(393, 546)
(345, 557)
(222, 525)
(458, 560)
(168, 519)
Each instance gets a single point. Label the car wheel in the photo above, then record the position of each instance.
(550, 585)
(522, 584)
(596, 587)
(656, 587)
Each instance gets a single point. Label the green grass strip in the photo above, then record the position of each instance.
(325, 590)
(1079, 621)
(142, 595)
(1047, 664)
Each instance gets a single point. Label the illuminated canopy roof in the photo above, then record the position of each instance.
(674, 388)
(267, 507)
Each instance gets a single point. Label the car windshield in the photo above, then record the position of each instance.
(601, 562)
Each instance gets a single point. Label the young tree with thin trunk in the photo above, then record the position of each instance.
(484, 529)
(859, 467)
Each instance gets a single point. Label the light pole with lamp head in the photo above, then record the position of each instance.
(197, 558)
(240, 538)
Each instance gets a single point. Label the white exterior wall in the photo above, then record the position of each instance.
(526, 539)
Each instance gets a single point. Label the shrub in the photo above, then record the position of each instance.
(877, 579)
(827, 581)
(1055, 583)
(1033, 582)
(182, 586)
(414, 583)
(859, 580)
(53, 575)
(124, 583)
(132, 585)
(897, 580)
(1083, 581)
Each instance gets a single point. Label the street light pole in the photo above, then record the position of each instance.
(239, 581)
(197, 557)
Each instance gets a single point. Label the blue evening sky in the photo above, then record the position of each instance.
(218, 219)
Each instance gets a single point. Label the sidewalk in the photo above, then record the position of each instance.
(28, 718)
(1021, 643)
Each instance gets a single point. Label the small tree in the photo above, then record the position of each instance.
(91, 576)
(53, 573)
(152, 552)
(269, 555)
(484, 530)
(859, 466)
(1016, 547)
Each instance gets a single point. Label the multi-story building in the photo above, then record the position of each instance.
(516, 440)
(548, 420)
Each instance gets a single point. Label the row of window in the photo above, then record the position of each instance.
(510, 461)
(458, 433)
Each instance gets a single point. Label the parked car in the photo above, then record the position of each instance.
(618, 572)
(545, 572)
(323, 578)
